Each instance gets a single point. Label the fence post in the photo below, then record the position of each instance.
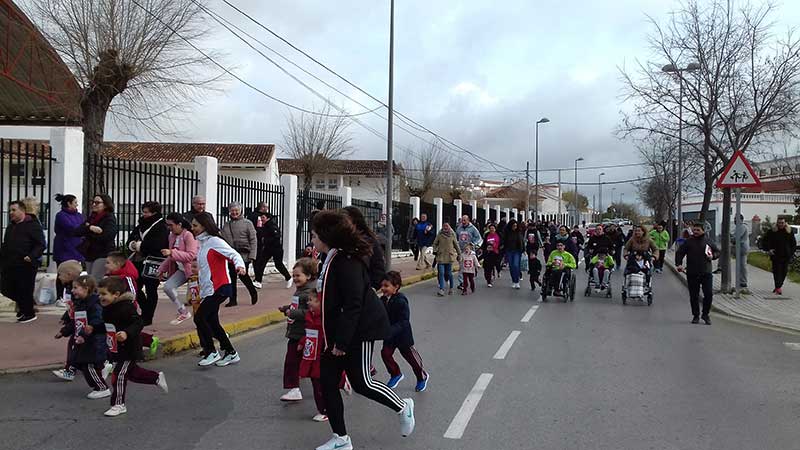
(347, 196)
(474, 205)
(514, 214)
(289, 183)
(439, 212)
(497, 213)
(414, 207)
(207, 168)
(66, 145)
(508, 213)
(459, 209)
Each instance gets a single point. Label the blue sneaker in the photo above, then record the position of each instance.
(394, 381)
(423, 383)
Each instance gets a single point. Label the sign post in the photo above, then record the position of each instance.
(738, 174)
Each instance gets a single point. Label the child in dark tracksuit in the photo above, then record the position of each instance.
(117, 265)
(491, 260)
(303, 274)
(88, 330)
(400, 337)
(123, 328)
(534, 270)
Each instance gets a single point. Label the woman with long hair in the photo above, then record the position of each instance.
(514, 244)
(99, 233)
(353, 318)
(66, 242)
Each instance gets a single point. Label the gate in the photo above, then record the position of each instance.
(249, 193)
(449, 214)
(372, 212)
(309, 202)
(401, 220)
(467, 210)
(481, 219)
(429, 209)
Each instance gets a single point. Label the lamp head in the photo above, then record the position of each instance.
(543, 120)
(669, 68)
(693, 66)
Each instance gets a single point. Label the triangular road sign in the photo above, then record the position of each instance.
(738, 174)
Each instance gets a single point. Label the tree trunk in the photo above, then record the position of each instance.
(708, 189)
(725, 242)
(94, 122)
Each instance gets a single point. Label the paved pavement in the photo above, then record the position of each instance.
(593, 374)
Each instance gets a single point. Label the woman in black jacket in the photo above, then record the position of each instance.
(100, 233)
(353, 318)
(23, 245)
(146, 241)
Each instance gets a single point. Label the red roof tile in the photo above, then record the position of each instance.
(186, 152)
(341, 167)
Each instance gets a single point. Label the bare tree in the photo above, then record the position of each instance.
(568, 197)
(434, 172)
(316, 139)
(743, 95)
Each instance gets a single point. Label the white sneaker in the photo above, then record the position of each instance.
(95, 395)
(407, 418)
(294, 395)
(61, 303)
(230, 358)
(289, 283)
(107, 368)
(257, 284)
(115, 410)
(489, 285)
(162, 382)
(209, 360)
(182, 317)
(337, 443)
(320, 418)
(64, 374)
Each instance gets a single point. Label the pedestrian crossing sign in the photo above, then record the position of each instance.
(738, 174)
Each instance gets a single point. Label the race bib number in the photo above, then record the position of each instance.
(531, 238)
(464, 237)
(193, 292)
(311, 348)
(468, 264)
(295, 304)
(492, 241)
(111, 338)
(81, 321)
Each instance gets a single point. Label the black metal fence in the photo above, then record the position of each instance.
(307, 203)
(493, 215)
(429, 209)
(131, 183)
(249, 193)
(25, 174)
(466, 209)
(481, 218)
(372, 212)
(401, 220)
(449, 214)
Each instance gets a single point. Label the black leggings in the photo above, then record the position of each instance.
(780, 268)
(207, 321)
(147, 296)
(356, 363)
(245, 279)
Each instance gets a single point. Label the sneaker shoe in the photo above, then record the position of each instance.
(107, 368)
(61, 303)
(294, 395)
(115, 410)
(64, 374)
(695, 319)
(257, 284)
(209, 359)
(182, 317)
(337, 443)
(423, 383)
(778, 291)
(26, 319)
(154, 346)
(320, 418)
(407, 418)
(228, 359)
(440, 293)
(707, 320)
(289, 283)
(95, 395)
(450, 291)
(394, 381)
(162, 382)
(489, 285)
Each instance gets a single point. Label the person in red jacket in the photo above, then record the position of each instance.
(117, 265)
(312, 354)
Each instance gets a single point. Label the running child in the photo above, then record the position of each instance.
(469, 266)
(400, 337)
(309, 347)
(68, 271)
(123, 337)
(491, 259)
(176, 269)
(89, 333)
(602, 265)
(117, 265)
(303, 273)
(534, 270)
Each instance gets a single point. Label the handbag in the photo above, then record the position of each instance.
(523, 265)
(150, 267)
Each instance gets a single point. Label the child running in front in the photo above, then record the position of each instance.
(89, 335)
(303, 273)
(123, 337)
(308, 346)
(469, 266)
(400, 337)
(117, 265)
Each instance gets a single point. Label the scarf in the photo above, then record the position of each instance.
(95, 218)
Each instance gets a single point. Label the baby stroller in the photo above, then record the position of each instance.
(638, 278)
(600, 263)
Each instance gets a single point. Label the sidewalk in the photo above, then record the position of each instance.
(31, 346)
(761, 305)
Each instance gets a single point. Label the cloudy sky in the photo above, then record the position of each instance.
(479, 73)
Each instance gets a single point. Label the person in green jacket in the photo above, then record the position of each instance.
(602, 265)
(560, 264)
(660, 237)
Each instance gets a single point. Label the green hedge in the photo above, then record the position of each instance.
(761, 260)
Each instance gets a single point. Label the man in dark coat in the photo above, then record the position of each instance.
(780, 243)
(699, 251)
(23, 245)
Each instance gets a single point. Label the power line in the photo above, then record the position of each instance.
(580, 168)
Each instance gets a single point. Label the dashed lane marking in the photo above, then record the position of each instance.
(464, 414)
(504, 349)
(527, 317)
(792, 345)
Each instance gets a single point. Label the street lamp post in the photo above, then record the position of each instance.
(672, 68)
(613, 193)
(536, 188)
(575, 194)
(389, 146)
(600, 196)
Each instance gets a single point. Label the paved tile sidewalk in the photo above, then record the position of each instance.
(761, 305)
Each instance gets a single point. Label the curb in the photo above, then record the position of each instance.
(189, 340)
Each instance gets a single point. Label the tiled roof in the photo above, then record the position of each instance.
(341, 167)
(186, 152)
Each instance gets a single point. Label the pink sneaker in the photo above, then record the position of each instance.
(182, 317)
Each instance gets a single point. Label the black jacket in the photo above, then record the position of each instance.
(376, 262)
(94, 349)
(694, 249)
(268, 234)
(400, 335)
(352, 312)
(98, 245)
(782, 243)
(155, 240)
(123, 315)
(20, 240)
(514, 241)
(598, 242)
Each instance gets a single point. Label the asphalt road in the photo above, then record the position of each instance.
(593, 374)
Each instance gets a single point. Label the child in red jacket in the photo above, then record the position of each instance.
(312, 353)
(117, 265)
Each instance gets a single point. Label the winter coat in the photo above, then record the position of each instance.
(212, 263)
(123, 315)
(468, 235)
(469, 263)
(20, 240)
(446, 248)
(660, 239)
(565, 256)
(153, 235)
(645, 245)
(425, 236)
(400, 334)
(94, 349)
(783, 244)
(268, 234)
(411, 234)
(66, 242)
(742, 234)
(577, 238)
(608, 261)
(296, 315)
(129, 273)
(240, 234)
(599, 241)
(514, 241)
(495, 241)
(98, 245)
(310, 368)
(351, 311)
(184, 251)
(694, 249)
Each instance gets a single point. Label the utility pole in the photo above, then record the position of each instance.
(559, 194)
(389, 148)
(600, 195)
(527, 187)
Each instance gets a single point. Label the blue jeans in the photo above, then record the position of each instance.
(445, 274)
(514, 259)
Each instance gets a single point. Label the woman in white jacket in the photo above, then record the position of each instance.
(215, 287)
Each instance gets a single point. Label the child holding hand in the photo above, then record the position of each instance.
(303, 274)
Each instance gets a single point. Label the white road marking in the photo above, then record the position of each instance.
(464, 414)
(503, 350)
(792, 345)
(530, 313)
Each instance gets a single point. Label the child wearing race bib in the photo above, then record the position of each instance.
(117, 265)
(304, 273)
(469, 267)
(309, 347)
(68, 271)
